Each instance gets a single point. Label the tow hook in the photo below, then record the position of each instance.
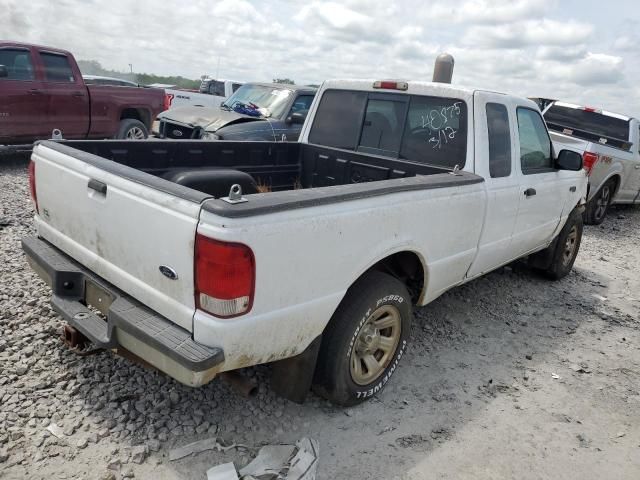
(77, 342)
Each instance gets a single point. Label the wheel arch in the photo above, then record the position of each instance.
(408, 266)
(141, 114)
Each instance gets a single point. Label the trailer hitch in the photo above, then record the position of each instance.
(77, 342)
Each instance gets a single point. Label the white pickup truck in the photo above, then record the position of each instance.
(397, 192)
(610, 146)
(212, 94)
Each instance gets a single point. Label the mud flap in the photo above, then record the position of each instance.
(291, 378)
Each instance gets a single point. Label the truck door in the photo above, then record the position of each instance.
(23, 105)
(68, 97)
(290, 131)
(543, 189)
(495, 150)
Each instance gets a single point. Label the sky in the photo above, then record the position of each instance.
(584, 52)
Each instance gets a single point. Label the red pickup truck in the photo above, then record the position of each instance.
(41, 89)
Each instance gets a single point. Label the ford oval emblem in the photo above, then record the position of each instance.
(168, 272)
(177, 133)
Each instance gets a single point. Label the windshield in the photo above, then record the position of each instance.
(258, 100)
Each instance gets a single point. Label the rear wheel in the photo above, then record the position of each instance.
(599, 205)
(365, 340)
(132, 129)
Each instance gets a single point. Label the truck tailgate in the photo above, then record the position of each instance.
(126, 232)
(562, 141)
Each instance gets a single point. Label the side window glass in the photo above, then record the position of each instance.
(499, 140)
(383, 122)
(436, 132)
(216, 88)
(57, 68)
(535, 145)
(234, 87)
(303, 102)
(18, 64)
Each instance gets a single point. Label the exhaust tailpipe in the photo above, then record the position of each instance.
(241, 384)
(443, 68)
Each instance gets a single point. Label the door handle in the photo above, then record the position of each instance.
(572, 189)
(35, 91)
(98, 186)
(77, 94)
(637, 167)
(529, 192)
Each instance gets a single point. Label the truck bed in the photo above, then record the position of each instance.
(296, 175)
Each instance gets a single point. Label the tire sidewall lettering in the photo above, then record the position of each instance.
(386, 377)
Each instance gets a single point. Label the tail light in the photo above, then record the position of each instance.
(589, 160)
(166, 104)
(225, 277)
(32, 184)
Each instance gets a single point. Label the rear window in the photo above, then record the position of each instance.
(217, 88)
(436, 132)
(57, 68)
(430, 130)
(338, 119)
(591, 122)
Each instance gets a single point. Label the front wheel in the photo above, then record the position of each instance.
(566, 249)
(132, 129)
(365, 340)
(599, 205)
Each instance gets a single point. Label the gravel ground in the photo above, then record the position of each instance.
(510, 376)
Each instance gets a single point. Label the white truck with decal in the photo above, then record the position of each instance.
(610, 146)
(212, 93)
(204, 257)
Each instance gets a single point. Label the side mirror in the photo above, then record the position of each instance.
(3, 71)
(296, 118)
(569, 160)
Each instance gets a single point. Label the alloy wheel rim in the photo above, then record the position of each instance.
(570, 246)
(375, 345)
(135, 133)
(602, 202)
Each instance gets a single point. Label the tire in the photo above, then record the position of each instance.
(132, 129)
(566, 248)
(599, 205)
(351, 341)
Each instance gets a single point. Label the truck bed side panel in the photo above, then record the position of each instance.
(324, 249)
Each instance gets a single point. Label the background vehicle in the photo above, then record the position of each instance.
(41, 89)
(395, 193)
(114, 82)
(257, 111)
(610, 145)
(212, 93)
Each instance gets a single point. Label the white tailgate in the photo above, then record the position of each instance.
(124, 235)
(561, 142)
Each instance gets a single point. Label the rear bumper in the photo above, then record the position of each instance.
(129, 325)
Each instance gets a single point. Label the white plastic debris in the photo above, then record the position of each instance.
(305, 463)
(270, 459)
(555, 376)
(226, 471)
(275, 462)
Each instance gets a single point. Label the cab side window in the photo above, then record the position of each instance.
(499, 140)
(57, 68)
(18, 64)
(535, 144)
